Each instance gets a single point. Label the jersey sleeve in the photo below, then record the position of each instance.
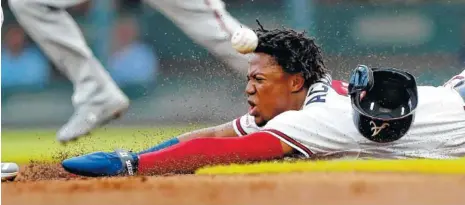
(313, 134)
(455, 80)
(340, 87)
(245, 125)
(286, 128)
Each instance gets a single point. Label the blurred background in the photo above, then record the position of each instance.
(182, 83)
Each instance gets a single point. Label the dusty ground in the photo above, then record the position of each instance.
(47, 185)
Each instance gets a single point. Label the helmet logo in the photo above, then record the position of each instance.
(376, 130)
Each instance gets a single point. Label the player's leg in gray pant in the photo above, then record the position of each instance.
(209, 24)
(97, 99)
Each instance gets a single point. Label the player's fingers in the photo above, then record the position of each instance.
(362, 94)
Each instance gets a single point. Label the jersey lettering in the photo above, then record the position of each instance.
(318, 94)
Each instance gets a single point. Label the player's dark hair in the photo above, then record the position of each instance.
(293, 51)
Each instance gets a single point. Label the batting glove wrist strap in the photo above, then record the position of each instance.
(129, 161)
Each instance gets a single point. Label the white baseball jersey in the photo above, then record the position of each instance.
(324, 127)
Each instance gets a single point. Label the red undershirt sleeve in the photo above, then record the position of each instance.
(193, 154)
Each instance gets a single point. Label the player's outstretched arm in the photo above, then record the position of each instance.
(193, 154)
(184, 157)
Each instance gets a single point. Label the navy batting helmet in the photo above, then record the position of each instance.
(384, 102)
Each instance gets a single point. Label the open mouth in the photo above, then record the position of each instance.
(252, 108)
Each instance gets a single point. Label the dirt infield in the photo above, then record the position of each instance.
(56, 187)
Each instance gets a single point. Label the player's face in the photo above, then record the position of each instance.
(268, 88)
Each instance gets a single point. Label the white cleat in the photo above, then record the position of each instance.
(89, 117)
(9, 171)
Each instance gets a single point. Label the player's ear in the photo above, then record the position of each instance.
(297, 82)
